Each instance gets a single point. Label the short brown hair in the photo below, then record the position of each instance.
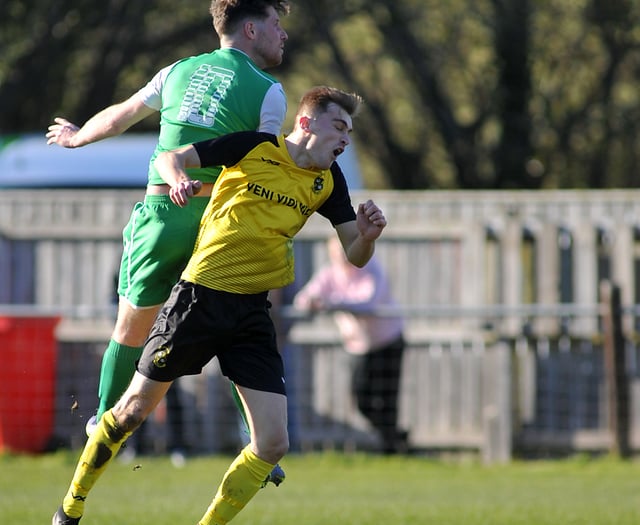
(318, 98)
(228, 14)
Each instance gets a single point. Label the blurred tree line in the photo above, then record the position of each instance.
(470, 94)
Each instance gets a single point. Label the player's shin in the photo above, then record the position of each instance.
(118, 367)
(100, 449)
(240, 483)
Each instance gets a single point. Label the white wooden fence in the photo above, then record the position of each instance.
(500, 290)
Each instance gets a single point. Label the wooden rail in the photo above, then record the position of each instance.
(513, 340)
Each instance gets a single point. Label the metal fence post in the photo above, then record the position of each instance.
(615, 369)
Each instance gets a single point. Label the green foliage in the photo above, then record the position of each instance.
(459, 94)
(335, 488)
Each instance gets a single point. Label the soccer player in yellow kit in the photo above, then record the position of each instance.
(270, 185)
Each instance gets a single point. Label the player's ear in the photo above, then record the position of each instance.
(304, 123)
(249, 29)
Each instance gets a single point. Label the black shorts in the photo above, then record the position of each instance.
(197, 323)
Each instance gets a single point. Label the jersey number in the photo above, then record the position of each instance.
(193, 109)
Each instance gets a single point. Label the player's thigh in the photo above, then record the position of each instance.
(133, 324)
(158, 241)
(266, 414)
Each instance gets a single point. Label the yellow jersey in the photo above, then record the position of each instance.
(259, 202)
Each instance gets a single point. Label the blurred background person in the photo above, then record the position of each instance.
(375, 343)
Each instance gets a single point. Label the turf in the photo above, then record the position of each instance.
(331, 488)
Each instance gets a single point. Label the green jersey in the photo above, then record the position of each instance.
(192, 97)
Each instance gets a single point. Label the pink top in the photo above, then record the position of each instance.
(354, 293)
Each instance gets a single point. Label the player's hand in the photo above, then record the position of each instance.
(370, 220)
(62, 133)
(181, 192)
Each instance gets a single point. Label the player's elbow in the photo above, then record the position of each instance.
(359, 263)
(359, 260)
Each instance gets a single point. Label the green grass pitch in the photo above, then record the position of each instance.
(332, 488)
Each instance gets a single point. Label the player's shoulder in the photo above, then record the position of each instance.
(256, 141)
(239, 142)
(230, 149)
(252, 137)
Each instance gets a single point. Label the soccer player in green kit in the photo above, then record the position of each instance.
(198, 98)
(269, 188)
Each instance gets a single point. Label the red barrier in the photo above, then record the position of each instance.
(28, 356)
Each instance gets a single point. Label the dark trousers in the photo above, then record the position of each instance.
(375, 386)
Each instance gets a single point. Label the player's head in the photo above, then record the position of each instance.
(318, 99)
(253, 26)
(324, 121)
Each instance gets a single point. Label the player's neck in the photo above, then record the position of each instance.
(239, 45)
(297, 151)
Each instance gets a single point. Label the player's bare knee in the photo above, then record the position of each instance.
(282, 448)
(274, 449)
(128, 414)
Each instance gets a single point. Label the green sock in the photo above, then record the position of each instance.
(101, 447)
(240, 407)
(118, 367)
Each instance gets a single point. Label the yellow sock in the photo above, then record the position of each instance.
(102, 445)
(239, 484)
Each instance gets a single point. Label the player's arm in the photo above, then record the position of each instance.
(172, 166)
(109, 122)
(273, 110)
(358, 237)
(357, 231)
(226, 150)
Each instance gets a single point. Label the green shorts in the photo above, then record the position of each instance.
(158, 241)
